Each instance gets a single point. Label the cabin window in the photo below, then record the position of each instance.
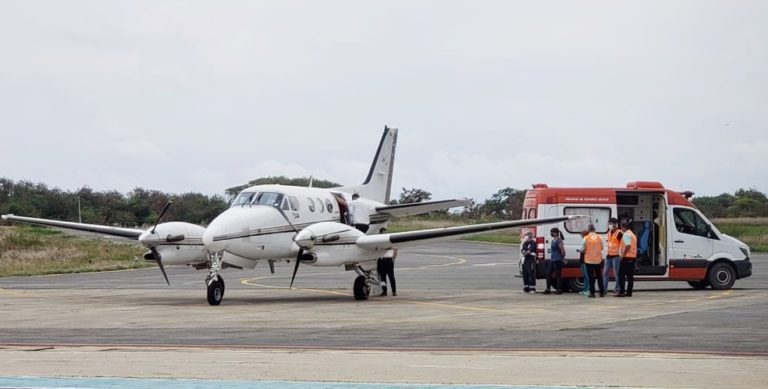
(310, 204)
(597, 215)
(320, 205)
(294, 203)
(328, 206)
(243, 198)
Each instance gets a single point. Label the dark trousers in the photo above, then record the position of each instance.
(555, 270)
(594, 273)
(362, 227)
(627, 273)
(529, 273)
(386, 268)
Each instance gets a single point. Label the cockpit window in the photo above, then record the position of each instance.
(268, 198)
(294, 203)
(243, 198)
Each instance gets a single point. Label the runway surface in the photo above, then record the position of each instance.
(459, 317)
(468, 299)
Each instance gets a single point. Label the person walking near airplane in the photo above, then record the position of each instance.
(386, 269)
(628, 257)
(359, 213)
(592, 246)
(612, 260)
(555, 268)
(529, 263)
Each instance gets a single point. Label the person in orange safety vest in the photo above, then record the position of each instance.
(592, 247)
(628, 251)
(613, 258)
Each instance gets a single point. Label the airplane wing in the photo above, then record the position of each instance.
(399, 210)
(415, 238)
(131, 233)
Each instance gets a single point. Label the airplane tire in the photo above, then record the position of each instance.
(361, 289)
(721, 276)
(216, 292)
(698, 285)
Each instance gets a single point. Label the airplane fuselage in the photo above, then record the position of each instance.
(263, 220)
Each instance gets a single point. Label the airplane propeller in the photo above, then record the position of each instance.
(169, 238)
(301, 249)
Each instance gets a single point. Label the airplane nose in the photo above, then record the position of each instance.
(213, 230)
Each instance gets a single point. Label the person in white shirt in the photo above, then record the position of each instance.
(359, 213)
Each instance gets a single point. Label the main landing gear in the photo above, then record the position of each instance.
(214, 281)
(366, 281)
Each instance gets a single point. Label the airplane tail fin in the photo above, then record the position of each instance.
(378, 185)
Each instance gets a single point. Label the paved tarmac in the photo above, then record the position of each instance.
(458, 304)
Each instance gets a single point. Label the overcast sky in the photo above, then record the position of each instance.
(200, 96)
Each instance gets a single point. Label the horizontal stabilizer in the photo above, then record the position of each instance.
(399, 210)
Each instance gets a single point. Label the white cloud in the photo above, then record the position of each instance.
(196, 96)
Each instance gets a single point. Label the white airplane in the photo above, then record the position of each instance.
(289, 223)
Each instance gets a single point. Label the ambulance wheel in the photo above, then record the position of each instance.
(361, 288)
(698, 285)
(721, 276)
(216, 292)
(576, 284)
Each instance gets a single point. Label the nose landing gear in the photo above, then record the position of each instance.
(214, 281)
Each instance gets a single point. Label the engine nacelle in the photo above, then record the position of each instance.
(177, 243)
(333, 244)
(178, 255)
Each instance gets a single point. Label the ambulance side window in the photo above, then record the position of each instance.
(689, 222)
(597, 215)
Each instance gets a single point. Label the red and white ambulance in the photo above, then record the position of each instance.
(676, 242)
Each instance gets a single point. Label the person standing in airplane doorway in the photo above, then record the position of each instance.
(359, 213)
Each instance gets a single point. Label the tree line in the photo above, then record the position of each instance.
(141, 207)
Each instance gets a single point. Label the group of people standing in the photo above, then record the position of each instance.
(621, 257)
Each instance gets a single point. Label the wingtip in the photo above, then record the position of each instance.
(5, 217)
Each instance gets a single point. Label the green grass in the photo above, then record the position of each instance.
(26, 250)
(752, 231)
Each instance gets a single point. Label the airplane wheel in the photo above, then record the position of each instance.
(216, 292)
(361, 288)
